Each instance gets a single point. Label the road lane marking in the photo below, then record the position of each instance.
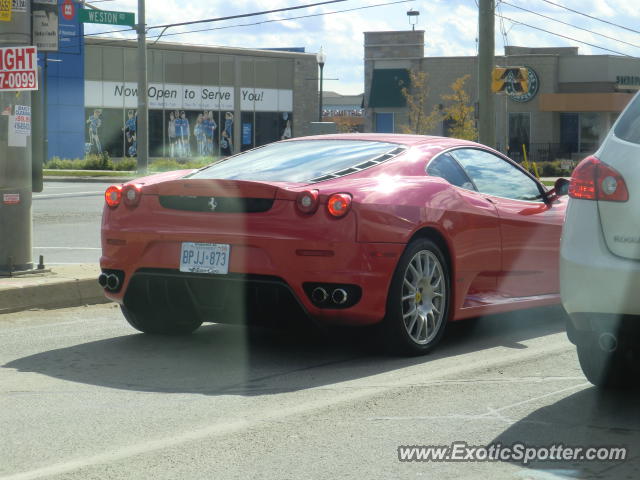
(67, 195)
(496, 358)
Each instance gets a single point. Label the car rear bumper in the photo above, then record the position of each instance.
(592, 279)
(264, 275)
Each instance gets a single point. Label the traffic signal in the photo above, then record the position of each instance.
(510, 79)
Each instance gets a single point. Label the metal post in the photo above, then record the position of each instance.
(486, 47)
(45, 107)
(142, 128)
(320, 100)
(15, 163)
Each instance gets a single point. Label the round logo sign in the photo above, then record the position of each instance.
(534, 85)
(68, 9)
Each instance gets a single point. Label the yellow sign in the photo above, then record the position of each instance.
(5, 10)
(510, 79)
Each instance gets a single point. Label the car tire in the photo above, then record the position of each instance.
(418, 300)
(604, 369)
(159, 324)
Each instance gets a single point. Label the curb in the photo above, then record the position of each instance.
(116, 180)
(65, 287)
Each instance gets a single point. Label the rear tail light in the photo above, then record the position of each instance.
(339, 204)
(595, 180)
(131, 194)
(113, 195)
(307, 201)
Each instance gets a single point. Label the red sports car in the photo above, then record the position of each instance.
(355, 229)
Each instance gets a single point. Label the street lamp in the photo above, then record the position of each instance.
(321, 57)
(413, 18)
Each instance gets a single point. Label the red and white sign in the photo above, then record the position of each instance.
(68, 10)
(18, 68)
(11, 198)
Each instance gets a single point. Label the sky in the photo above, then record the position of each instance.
(450, 27)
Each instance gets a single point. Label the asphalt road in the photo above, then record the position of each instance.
(83, 396)
(66, 222)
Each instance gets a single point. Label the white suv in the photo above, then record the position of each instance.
(600, 256)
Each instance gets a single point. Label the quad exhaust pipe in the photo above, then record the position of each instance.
(319, 295)
(339, 296)
(109, 281)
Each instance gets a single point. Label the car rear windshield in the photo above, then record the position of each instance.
(628, 128)
(300, 161)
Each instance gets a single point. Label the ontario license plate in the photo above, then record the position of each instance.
(205, 258)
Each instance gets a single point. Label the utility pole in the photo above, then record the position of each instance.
(15, 157)
(142, 128)
(486, 47)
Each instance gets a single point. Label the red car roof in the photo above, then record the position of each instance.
(408, 140)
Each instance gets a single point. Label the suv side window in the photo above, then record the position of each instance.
(445, 166)
(628, 127)
(495, 176)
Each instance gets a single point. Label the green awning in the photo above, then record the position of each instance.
(386, 88)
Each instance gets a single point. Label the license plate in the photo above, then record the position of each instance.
(205, 258)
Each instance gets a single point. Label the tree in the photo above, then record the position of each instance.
(416, 94)
(460, 112)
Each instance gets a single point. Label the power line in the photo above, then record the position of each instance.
(569, 24)
(219, 19)
(591, 17)
(503, 30)
(568, 38)
(263, 22)
(286, 19)
(232, 17)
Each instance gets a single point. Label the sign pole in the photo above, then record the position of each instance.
(15, 141)
(486, 46)
(142, 127)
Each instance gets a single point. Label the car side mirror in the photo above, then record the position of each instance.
(561, 187)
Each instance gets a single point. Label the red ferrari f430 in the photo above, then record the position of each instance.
(358, 229)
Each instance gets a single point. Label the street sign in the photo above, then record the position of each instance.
(18, 69)
(107, 17)
(513, 79)
(5, 10)
(44, 18)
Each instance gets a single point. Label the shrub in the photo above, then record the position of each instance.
(104, 162)
(168, 164)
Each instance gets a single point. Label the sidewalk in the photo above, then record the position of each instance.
(63, 286)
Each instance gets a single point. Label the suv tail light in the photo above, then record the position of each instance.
(113, 195)
(595, 180)
(339, 204)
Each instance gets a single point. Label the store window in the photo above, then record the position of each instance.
(156, 133)
(581, 132)
(589, 132)
(519, 131)
(104, 131)
(569, 132)
(246, 131)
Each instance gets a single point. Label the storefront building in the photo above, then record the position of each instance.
(203, 101)
(572, 101)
